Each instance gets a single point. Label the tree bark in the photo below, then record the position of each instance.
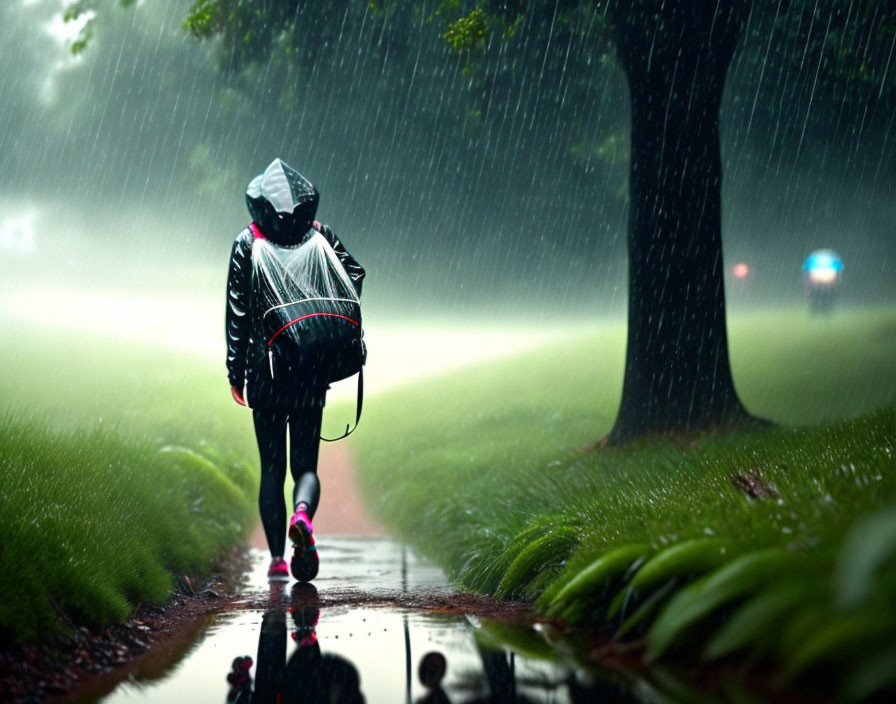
(677, 372)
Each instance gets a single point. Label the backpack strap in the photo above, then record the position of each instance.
(359, 404)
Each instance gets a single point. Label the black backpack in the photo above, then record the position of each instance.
(314, 339)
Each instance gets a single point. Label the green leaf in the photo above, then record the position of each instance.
(700, 598)
(489, 577)
(650, 604)
(73, 11)
(870, 544)
(621, 600)
(594, 576)
(468, 32)
(201, 20)
(541, 581)
(753, 620)
(687, 557)
(84, 37)
(524, 640)
(547, 550)
(191, 458)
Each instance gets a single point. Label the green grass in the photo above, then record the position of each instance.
(479, 467)
(122, 468)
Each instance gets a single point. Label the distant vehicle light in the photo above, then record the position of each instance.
(823, 267)
(825, 275)
(741, 270)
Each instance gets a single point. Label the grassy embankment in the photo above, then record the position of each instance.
(122, 468)
(486, 471)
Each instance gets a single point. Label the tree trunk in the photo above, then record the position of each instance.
(677, 373)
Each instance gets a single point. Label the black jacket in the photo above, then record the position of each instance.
(283, 205)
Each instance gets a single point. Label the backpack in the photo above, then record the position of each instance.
(312, 316)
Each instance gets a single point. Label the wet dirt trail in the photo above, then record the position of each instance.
(379, 624)
(341, 510)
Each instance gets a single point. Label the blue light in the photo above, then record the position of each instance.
(823, 259)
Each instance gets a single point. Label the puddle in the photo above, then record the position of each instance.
(351, 637)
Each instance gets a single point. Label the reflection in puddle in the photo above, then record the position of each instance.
(305, 654)
(294, 651)
(291, 643)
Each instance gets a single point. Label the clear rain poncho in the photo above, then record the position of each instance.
(293, 319)
(312, 313)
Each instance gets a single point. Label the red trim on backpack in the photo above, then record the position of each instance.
(310, 315)
(255, 231)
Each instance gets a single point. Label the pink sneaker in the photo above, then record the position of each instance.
(304, 563)
(306, 623)
(278, 571)
(300, 526)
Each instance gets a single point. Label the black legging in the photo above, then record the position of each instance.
(304, 442)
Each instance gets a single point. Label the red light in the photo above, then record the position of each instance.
(741, 270)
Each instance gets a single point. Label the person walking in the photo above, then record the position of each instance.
(283, 246)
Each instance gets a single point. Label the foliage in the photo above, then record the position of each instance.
(546, 106)
(743, 574)
(467, 33)
(72, 13)
(74, 10)
(832, 57)
(111, 493)
(203, 20)
(840, 50)
(535, 557)
(663, 543)
(94, 523)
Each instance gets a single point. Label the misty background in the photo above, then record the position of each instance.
(466, 184)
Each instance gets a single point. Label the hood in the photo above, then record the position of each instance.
(282, 203)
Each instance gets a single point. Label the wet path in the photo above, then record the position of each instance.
(378, 625)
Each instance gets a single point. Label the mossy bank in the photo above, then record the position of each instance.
(774, 543)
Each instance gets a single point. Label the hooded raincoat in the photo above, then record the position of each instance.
(283, 205)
